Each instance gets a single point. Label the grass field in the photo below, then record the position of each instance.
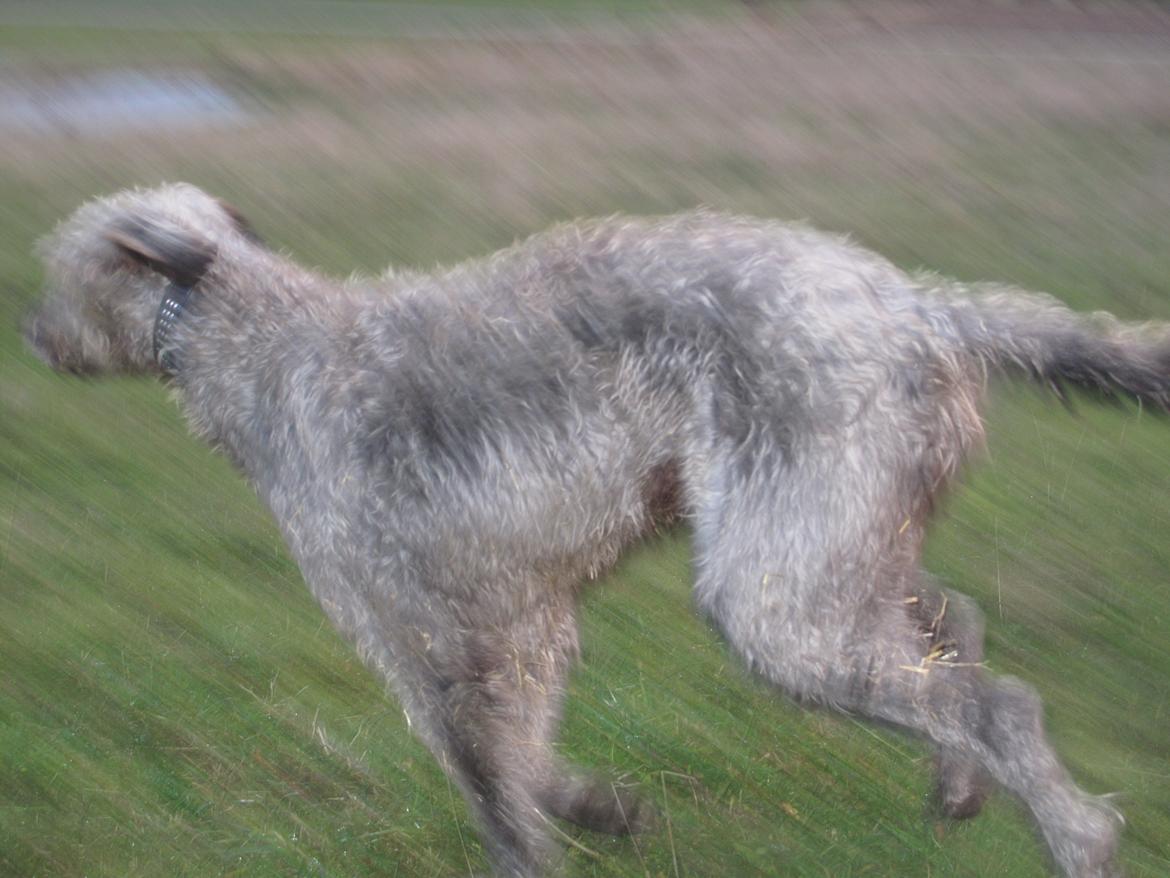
(171, 701)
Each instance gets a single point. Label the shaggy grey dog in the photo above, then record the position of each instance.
(450, 455)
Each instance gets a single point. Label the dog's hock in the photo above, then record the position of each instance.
(176, 253)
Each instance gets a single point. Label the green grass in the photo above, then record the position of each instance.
(172, 703)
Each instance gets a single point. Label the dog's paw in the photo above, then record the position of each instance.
(1086, 846)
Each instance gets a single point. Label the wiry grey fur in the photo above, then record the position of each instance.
(449, 455)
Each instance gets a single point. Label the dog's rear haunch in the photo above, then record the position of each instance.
(450, 454)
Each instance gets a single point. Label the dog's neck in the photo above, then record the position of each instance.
(170, 310)
(230, 371)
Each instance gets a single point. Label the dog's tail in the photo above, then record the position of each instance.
(1039, 337)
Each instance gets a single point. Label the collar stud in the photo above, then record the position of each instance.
(175, 300)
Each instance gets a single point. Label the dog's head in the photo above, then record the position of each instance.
(109, 265)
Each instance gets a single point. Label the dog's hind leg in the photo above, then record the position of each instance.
(952, 626)
(977, 722)
(997, 722)
(811, 572)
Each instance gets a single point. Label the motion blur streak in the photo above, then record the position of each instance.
(170, 703)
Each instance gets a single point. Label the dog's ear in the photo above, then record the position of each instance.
(177, 254)
(243, 226)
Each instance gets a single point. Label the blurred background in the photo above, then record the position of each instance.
(172, 701)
